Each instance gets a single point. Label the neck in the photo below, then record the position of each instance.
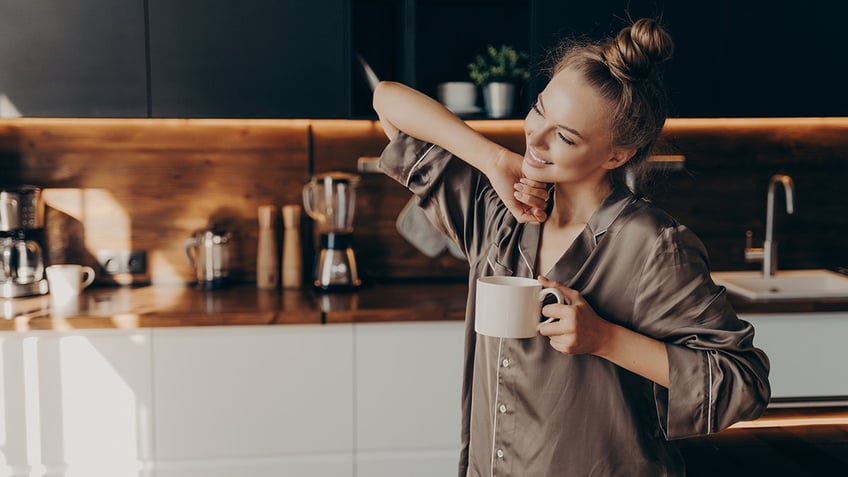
(575, 204)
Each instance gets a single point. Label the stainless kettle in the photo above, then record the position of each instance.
(211, 252)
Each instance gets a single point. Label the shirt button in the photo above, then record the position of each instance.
(500, 453)
(505, 363)
(503, 408)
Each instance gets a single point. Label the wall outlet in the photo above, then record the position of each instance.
(120, 262)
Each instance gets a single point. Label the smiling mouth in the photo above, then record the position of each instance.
(533, 157)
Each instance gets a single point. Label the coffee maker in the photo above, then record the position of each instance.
(329, 199)
(21, 239)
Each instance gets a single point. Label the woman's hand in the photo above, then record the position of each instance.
(525, 198)
(579, 330)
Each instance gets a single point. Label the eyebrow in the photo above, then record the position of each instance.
(571, 130)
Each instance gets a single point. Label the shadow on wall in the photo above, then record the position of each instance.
(150, 184)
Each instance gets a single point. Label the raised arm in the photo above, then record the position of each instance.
(401, 108)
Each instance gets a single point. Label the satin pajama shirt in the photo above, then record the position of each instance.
(531, 411)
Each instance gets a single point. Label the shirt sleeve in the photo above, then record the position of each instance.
(716, 375)
(456, 198)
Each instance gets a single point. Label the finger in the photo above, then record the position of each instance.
(523, 214)
(530, 199)
(536, 189)
(548, 329)
(538, 192)
(540, 215)
(532, 183)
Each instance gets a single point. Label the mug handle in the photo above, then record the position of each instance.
(559, 298)
(88, 272)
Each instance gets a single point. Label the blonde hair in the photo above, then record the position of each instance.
(624, 69)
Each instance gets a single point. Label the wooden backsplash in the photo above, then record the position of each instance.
(150, 183)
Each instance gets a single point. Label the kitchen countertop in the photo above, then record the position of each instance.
(170, 306)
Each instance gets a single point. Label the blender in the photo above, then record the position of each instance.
(329, 199)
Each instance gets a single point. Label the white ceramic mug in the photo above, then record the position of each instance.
(457, 94)
(511, 307)
(68, 280)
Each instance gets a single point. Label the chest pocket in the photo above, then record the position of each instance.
(493, 264)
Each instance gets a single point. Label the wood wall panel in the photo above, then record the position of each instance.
(149, 184)
(723, 191)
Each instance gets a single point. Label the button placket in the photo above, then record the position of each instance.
(502, 407)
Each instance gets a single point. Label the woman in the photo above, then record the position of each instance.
(647, 349)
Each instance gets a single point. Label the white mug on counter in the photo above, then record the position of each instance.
(510, 307)
(67, 281)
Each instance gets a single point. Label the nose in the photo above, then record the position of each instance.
(533, 133)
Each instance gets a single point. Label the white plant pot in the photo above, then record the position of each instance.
(499, 99)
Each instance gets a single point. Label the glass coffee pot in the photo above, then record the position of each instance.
(329, 199)
(21, 260)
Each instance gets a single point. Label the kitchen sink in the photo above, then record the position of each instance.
(784, 284)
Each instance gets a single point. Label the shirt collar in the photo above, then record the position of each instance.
(610, 208)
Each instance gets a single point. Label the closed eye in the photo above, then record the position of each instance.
(565, 139)
(561, 136)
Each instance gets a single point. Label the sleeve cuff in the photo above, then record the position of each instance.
(414, 163)
(685, 409)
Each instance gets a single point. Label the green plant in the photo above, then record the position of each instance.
(505, 64)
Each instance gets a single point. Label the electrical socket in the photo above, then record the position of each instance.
(120, 262)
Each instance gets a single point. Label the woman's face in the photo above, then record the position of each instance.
(568, 133)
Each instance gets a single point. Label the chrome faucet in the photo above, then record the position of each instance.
(768, 253)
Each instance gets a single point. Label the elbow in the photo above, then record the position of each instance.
(378, 99)
(382, 101)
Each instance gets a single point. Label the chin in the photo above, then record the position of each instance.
(533, 173)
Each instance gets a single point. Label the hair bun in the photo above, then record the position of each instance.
(636, 51)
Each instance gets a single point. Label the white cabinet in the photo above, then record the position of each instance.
(408, 383)
(14, 396)
(253, 400)
(76, 404)
(807, 353)
(320, 401)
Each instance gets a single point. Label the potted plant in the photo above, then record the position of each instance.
(496, 71)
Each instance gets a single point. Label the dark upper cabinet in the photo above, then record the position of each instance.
(426, 42)
(249, 59)
(80, 58)
(755, 58)
(296, 59)
(782, 58)
(743, 59)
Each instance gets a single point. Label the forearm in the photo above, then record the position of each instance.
(401, 108)
(637, 353)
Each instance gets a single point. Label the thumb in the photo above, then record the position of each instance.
(521, 212)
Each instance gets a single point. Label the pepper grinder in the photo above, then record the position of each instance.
(292, 253)
(267, 263)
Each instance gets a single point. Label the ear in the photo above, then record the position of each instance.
(619, 158)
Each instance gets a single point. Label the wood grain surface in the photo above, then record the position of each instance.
(148, 184)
